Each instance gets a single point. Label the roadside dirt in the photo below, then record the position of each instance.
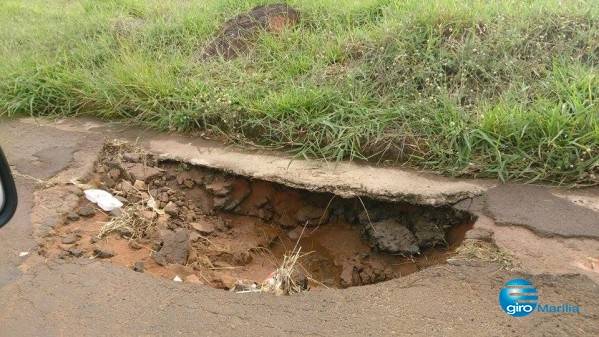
(208, 227)
(237, 35)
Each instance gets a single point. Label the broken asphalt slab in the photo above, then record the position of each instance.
(343, 179)
(539, 209)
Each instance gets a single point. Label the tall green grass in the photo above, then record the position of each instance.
(504, 89)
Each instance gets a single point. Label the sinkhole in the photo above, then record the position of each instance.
(201, 225)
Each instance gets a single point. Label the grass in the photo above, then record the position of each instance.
(484, 251)
(505, 89)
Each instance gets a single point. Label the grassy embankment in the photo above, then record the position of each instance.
(503, 88)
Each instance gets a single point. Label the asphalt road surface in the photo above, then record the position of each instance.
(83, 297)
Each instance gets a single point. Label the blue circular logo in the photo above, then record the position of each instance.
(518, 298)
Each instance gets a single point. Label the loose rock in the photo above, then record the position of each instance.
(427, 231)
(133, 198)
(171, 208)
(126, 232)
(347, 274)
(69, 239)
(175, 248)
(141, 172)
(117, 212)
(114, 174)
(221, 202)
(104, 253)
(108, 182)
(220, 188)
(297, 233)
(127, 187)
(87, 211)
(482, 234)
(193, 278)
(75, 251)
(73, 216)
(138, 267)
(135, 245)
(140, 185)
(227, 281)
(188, 183)
(131, 157)
(391, 236)
(204, 227)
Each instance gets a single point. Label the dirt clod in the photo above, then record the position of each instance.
(69, 239)
(203, 227)
(114, 174)
(104, 253)
(175, 248)
(226, 281)
(140, 185)
(138, 267)
(391, 236)
(76, 251)
(193, 278)
(220, 188)
(142, 172)
(135, 245)
(131, 157)
(171, 208)
(86, 211)
(72, 216)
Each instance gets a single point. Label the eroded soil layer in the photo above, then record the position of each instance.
(210, 227)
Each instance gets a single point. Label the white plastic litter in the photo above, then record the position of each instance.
(177, 279)
(21, 254)
(104, 199)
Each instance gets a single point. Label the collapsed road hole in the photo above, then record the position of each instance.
(206, 226)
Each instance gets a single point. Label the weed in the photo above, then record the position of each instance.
(485, 251)
(504, 89)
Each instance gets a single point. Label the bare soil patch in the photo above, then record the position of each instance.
(238, 34)
(209, 227)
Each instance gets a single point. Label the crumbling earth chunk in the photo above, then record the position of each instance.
(175, 248)
(239, 33)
